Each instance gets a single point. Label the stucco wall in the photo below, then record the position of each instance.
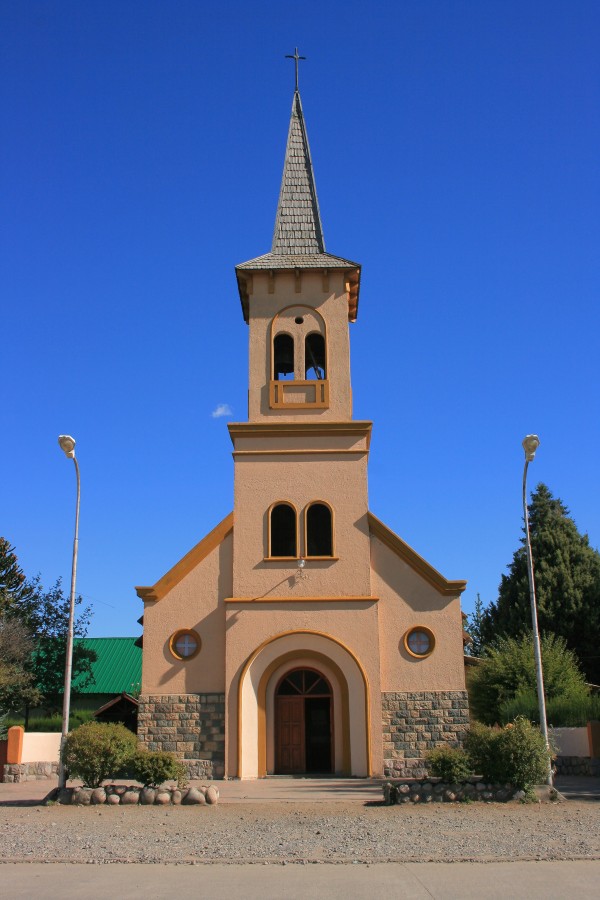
(407, 600)
(571, 741)
(341, 482)
(40, 746)
(196, 603)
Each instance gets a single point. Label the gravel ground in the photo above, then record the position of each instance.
(286, 832)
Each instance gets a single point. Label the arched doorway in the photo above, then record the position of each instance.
(254, 724)
(303, 723)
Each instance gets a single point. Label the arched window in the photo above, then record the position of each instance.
(314, 357)
(283, 357)
(319, 530)
(282, 531)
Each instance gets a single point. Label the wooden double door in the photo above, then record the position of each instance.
(303, 724)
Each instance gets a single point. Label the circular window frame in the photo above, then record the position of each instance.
(179, 634)
(429, 634)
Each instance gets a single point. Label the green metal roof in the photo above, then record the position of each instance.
(118, 667)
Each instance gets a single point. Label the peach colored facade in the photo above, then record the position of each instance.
(234, 627)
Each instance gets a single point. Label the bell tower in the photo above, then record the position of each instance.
(300, 460)
(298, 301)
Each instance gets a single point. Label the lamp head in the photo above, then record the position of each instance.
(301, 563)
(530, 445)
(67, 444)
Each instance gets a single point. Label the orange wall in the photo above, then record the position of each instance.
(408, 600)
(197, 603)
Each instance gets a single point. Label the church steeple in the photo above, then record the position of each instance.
(298, 228)
(298, 245)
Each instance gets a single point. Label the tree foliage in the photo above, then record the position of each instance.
(15, 590)
(567, 580)
(48, 621)
(34, 663)
(509, 670)
(475, 629)
(17, 683)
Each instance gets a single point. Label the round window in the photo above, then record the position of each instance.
(185, 644)
(299, 320)
(419, 641)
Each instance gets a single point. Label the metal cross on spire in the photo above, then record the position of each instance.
(295, 57)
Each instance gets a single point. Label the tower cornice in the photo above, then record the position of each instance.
(352, 428)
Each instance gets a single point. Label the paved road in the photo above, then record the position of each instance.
(442, 881)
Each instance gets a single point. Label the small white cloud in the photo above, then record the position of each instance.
(223, 409)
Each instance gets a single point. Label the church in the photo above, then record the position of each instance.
(301, 635)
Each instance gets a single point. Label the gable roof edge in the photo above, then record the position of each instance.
(185, 565)
(448, 588)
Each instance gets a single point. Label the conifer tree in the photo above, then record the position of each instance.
(567, 580)
(475, 625)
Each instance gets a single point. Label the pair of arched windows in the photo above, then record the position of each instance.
(284, 358)
(283, 531)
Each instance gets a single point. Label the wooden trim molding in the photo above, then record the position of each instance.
(187, 563)
(279, 389)
(411, 557)
(289, 599)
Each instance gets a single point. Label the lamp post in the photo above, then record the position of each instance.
(67, 443)
(530, 444)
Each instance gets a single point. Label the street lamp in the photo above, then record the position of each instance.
(67, 443)
(530, 445)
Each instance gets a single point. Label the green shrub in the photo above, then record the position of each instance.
(449, 764)
(515, 754)
(153, 767)
(509, 671)
(481, 750)
(97, 751)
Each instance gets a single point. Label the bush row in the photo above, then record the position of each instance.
(561, 712)
(515, 754)
(50, 723)
(96, 752)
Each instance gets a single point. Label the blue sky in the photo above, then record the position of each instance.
(456, 149)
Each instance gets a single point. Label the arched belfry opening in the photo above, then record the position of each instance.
(283, 356)
(314, 357)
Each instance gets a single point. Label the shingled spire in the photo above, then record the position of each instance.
(298, 242)
(298, 229)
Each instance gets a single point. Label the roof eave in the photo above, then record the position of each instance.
(352, 272)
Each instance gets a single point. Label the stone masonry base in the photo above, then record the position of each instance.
(34, 771)
(417, 721)
(190, 725)
(577, 765)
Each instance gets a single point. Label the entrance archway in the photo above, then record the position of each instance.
(259, 677)
(303, 723)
